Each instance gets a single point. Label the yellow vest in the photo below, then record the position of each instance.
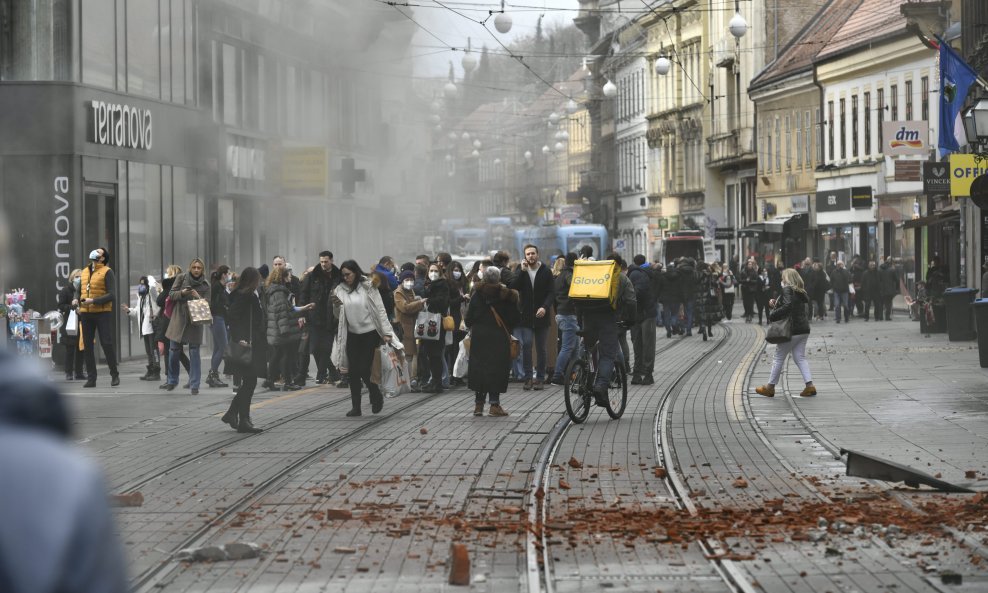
(93, 286)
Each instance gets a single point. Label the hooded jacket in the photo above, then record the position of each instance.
(282, 320)
(641, 278)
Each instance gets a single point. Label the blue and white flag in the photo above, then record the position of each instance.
(956, 78)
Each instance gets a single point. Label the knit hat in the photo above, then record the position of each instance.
(406, 275)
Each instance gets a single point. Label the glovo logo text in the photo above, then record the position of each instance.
(595, 281)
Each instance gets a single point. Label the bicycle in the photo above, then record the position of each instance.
(578, 384)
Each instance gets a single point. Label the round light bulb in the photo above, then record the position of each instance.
(477, 144)
(528, 155)
(436, 107)
(469, 61)
(738, 26)
(572, 107)
(434, 118)
(475, 154)
(502, 22)
(465, 137)
(559, 147)
(546, 149)
(452, 136)
(553, 118)
(662, 66)
(449, 90)
(497, 162)
(610, 89)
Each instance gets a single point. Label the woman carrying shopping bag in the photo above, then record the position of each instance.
(183, 328)
(791, 307)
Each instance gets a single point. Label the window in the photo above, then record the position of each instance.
(778, 144)
(808, 139)
(768, 148)
(818, 136)
(894, 92)
(788, 143)
(830, 130)
(909, 100)
(231, 85)
(143, 48)
(854, 126)
(867, 123)
(924, 99)
(843, 130)
(99, 44)
(799, 143)
(881, 118)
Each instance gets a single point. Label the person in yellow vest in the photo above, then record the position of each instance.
(95, 302)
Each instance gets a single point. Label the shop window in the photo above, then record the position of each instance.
(99, 42)
(143, 48)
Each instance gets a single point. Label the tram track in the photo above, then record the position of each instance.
(149, 579)
(540, 573)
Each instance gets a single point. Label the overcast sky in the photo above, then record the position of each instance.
(454, 29)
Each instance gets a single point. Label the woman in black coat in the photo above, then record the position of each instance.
(490, 346)
(247, 327)
(436, 301)
(792, 304)
(73, 357)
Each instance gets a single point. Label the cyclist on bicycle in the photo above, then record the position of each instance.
(600, 324)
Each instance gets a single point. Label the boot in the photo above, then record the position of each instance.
(154, 374)
(808, 391)
(246, 426)
(478, 409)
(496, 410)
(232, 418)
(766, 390)
(147, 376)
(213, 380)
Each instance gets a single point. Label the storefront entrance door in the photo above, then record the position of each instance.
(101, 229)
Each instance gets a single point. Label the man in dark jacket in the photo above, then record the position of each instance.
(501, 259)
(840, 283)
(687, 287)
(534, 286)
(643, 332)
(671, 298)
(888, 287)
(566, 319)
(870, 292)
(317, 288)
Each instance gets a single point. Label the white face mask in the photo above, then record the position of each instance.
(408, 284)
(433, 276)
(94, 255)
(457, 275)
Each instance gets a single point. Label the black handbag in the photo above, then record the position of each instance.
(780, 331)
(239, 355)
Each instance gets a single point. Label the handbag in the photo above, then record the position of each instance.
(449, 324)
(779, 331)
(237, 354)
(514, 346)
(199, 313)
(72, 324)
(428, 325)
(169, 306)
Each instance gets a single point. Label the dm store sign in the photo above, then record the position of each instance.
(905, 137)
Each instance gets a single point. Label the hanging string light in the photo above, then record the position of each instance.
(502, 22)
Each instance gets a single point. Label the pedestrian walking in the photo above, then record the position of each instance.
(749, 288)
(162, 320)
(708, 307)
(566, 319)
(219, 302)
(671, 297)
(145, 312)
(73, 354)
(534, 286)
(687, 287)
(728, 286)
(248, 330)
(870, 293)
(763, 295)
(407, 307)
(95, 298)
(643, 331)
(363, 323)
(181, 331)
(491, 314)
(437, 293)
(458, 298)
(282, 328)
(840, 283)
(888, 287)
(317, 288)
(817, 286)
(792, 305)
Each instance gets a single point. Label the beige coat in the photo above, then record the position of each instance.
(408, 306)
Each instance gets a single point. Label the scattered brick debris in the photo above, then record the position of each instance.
(131, 499)
(575, 463)
(459, 561)
(339, 514)
(740, 483)
(660, 473)
(423, 430)
(971, 474)
(563, 484)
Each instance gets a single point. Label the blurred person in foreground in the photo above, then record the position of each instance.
(56, 529)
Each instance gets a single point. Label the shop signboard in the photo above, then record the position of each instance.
(936, 178)
(984, 236)
(964, 169)
(905, 137)
(861, 197)
(304, 170)
(799, 204)
(724, 233)
(835, 200)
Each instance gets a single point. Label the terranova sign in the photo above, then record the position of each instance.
(905, 137)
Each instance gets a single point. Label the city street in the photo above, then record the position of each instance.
(703, 485)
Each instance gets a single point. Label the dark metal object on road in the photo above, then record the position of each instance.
(957, 302)
(862, 465)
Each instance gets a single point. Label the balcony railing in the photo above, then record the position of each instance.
(734, 146)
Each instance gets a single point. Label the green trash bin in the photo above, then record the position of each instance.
(957, 302)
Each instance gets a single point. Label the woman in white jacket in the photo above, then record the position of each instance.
(363, 325)
(144, 313)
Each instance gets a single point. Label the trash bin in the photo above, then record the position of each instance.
(980, 307)
(957, 302)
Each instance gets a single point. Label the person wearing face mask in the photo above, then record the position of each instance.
(95, 301)
(144, 313)
(181, 330)
(407, 306)
(458, 295)
(437, 292)
(219, 302)
(73, 356)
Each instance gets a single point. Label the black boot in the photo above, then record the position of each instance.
(146, 376)
(155, 373)
(247, 426)
(213, 380)
(232, 418)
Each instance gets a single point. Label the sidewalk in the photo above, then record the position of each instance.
(887, 390)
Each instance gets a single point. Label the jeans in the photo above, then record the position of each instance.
(218, 329)
(670, 315)
(527, 336)
(840, 304)
(195, 364)
(797, 347)
(643, 342)
(151, 350)
(102, 323)
(568, 326)
(688, 305)
(603, 327)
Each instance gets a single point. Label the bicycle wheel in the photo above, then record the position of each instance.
(575, 386)
(617, 394)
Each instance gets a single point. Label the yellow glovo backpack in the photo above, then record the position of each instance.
(595, 282)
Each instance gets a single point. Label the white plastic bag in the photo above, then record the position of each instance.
(462, 365)
(72, 324)
(394, 371)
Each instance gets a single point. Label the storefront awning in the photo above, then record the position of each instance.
(935, 218)
(771, 226)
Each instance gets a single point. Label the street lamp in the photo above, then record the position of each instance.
(738, 26)
(502, 22)
(662, 65)
(976, 123)
(610, 89)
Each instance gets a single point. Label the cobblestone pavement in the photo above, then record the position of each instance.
(702, 486)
